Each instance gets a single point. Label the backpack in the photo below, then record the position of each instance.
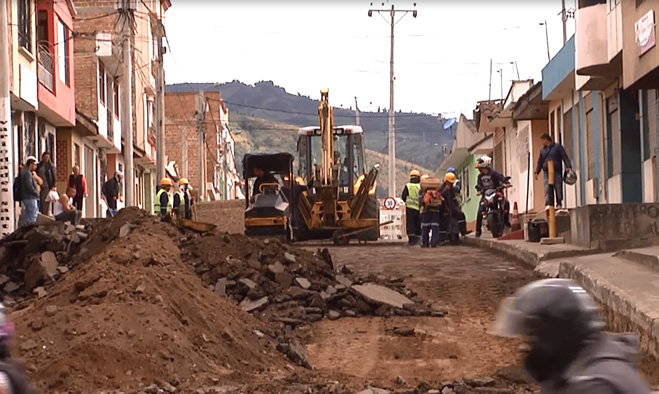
(17, 189)
(432, 199)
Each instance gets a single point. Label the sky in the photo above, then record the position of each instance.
(441, 57)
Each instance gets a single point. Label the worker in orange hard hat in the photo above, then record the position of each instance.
(410, 195)
(453, 221)
(182, 202)
(163, 204)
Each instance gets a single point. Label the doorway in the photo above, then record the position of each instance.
(90, 201)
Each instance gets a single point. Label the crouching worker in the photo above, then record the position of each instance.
(431, 204)
(12, 373)
(64, 210)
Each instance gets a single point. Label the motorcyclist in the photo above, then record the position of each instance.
(489, 179)
(568, 350)
(12, 373)
(411, 194)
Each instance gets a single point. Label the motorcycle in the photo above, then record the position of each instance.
(493, 214)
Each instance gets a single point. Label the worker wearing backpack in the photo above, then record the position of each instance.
(431, 203)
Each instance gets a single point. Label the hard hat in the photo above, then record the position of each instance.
(166, 182)
(183, 181)
(569, 177)
(449, 177)
(451, 170)
(415, 173)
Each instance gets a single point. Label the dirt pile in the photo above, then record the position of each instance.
(34, 256)
(293, 286)
(130, 314)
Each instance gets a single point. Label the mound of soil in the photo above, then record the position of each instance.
(131, 313)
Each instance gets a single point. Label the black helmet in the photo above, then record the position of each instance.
(558, 318)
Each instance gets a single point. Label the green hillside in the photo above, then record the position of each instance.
(260, 135)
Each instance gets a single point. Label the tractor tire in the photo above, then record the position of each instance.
(371, 211)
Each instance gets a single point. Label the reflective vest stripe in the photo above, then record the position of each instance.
(412, 200)
(156, 205)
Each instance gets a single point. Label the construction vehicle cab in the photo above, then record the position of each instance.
(340, 202)
(267, 195)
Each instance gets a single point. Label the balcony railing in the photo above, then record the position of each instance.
(46, 67)
(110, 118)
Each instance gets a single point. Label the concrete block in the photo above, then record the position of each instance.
(227, 215)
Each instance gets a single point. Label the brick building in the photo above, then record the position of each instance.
(182, 140)
(99, 79)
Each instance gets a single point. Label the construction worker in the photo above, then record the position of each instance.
(457, 184)
(431, 204)
(182, 207)
(410, 195)
(568, 349)
(163, 204)
(451, 212)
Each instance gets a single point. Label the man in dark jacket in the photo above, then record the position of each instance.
(552, 151)
(46, 171)
(489, 179)
(29, 194)
(111, 190)
(452, 215)
(568, 350)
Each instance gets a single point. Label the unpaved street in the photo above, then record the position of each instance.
(466, 282)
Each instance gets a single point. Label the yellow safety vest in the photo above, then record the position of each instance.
(156, 205)
(181, 207)
(412, 200)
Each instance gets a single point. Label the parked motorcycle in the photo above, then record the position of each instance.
(493, 213)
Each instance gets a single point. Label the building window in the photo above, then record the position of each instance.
(76, 155)
(115, 94)
(63, 52)
(465, 186)
(101, 83)
(149, 113)
(25, 24)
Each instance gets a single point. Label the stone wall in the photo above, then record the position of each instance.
(612, 226)
(228, 215)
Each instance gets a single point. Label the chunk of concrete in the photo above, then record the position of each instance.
(125, 230)
(248, 282)
(382, 295)
(289, 257)
(276, 268)
(343, 280)
(249, 305)
(303, 282)
(221, 287)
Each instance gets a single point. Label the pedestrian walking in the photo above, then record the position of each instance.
(411, 194)
(111, 192)
(553, 151)
(46, 171)
(568, 350)
(79, 183)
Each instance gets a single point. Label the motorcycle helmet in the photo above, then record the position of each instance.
(570, 177)
(557, 317)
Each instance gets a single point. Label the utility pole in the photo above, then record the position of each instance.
(392, 112)
(564, 19)
(7, 206)
(160, 100)
(201, 116)
(356, 113)
(126, 101)
(489, 97)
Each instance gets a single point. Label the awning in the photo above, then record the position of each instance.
(455, 159)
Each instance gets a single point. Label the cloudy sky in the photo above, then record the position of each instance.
(441, 58)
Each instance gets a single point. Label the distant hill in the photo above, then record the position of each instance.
(260, 135)
(420, 138)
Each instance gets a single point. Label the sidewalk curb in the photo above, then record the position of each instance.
(649, 261)
(525, 255)
(618, 302)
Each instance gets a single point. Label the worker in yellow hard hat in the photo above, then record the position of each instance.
(182, 202)
(411, 194)
(163, 204)
(453, 221)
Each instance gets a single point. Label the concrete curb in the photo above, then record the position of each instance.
(648, 260)
(525, 255)
(617, 302)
